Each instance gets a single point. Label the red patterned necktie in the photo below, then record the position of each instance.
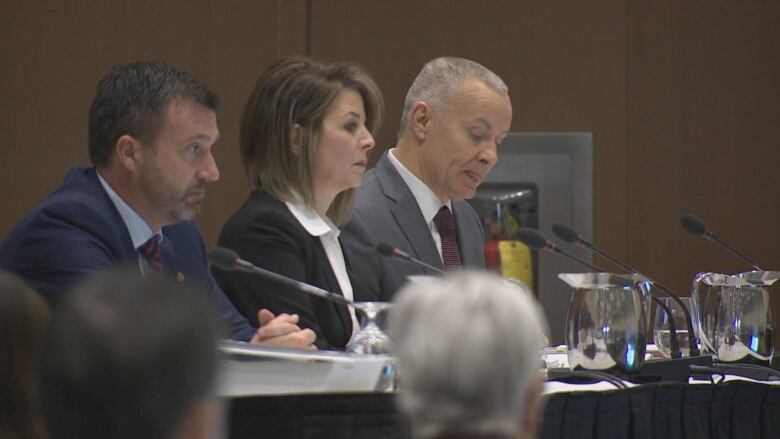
(150, 250)
(449, 238)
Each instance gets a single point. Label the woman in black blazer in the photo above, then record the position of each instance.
(305, 135)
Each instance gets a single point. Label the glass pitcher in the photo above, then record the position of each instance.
(734, 315)
(607, 321)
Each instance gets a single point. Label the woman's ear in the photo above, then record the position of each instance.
(295, 139)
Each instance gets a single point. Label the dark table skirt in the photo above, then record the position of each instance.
(737, 409)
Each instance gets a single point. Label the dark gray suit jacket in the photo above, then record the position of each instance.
(387, 207)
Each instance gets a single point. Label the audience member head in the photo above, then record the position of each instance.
(23, 319)
(455, 115)
(151, 130)
(131, 357)
(306, 130)
(468, 348)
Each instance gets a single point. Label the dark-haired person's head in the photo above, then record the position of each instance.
(23, 318)
(132, 99)
(306, 129)
(131, 357)
(151, 130)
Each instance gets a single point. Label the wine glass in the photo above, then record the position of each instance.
(661, 326)
(370, 339)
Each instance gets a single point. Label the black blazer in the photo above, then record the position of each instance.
(264, 232)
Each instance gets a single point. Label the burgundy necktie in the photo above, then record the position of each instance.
(449, 238)
(150, 250)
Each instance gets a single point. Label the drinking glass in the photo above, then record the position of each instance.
(370, 339)
(661, 326)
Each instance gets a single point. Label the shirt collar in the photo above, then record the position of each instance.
(140, 232)
(428, 201)
(309, 219)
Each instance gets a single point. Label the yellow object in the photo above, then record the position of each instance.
(510, 223)
(516, 261)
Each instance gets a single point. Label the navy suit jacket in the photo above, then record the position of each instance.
(387, 207)
(264, 232)
(77, 231)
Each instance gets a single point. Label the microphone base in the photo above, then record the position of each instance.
(675, 369)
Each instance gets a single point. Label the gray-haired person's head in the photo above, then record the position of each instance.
(468, 348)
(440, 77)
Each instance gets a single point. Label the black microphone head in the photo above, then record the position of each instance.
(566, 232)
(532, 238)
(223, 258)
(693, 224)
(385, 249)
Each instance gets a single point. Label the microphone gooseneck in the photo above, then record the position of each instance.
(534, 239)
(568, 230)
(695, 225)
(567, 233)
(229, 260)
(388, 250)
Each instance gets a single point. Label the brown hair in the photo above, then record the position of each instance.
(132, 99)
(23, 320)
(299, 90)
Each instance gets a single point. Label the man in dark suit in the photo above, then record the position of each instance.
(455, 115)
(151, 130)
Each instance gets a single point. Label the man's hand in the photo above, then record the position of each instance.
(282, 331)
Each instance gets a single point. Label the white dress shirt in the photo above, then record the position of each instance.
(140, 232)
(428, 201)
(328, 233)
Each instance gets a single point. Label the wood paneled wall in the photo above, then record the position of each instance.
(683, 100)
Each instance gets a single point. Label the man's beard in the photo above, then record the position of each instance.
(164, 198)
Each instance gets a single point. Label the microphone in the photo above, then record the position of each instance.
(229, 260)
(695, 225)
(388, 250)
(567, 233)
(534, 239)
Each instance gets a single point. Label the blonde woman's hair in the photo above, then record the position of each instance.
(299, 90)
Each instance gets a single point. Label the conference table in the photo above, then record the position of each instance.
(735, 408)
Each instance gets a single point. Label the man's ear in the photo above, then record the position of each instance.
(295, 139)
(128, 153)
(420, 119)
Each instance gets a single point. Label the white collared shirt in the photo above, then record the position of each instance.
(428, 201)
(328, 233)
(140, 232)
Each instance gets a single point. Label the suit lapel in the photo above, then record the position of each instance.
(169, 261)
(127, 248)
(333, 286)
(407, 214)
